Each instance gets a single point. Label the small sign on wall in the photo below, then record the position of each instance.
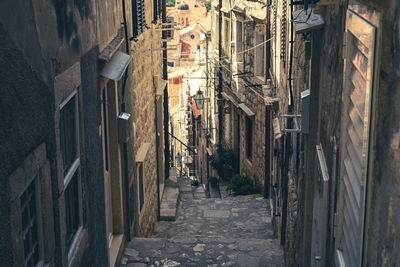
(277, 128)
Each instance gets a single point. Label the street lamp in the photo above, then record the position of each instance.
(199, 99)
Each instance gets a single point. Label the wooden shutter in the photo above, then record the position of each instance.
(138, 16)
(156, 10)
(357, 92)
(283, 30)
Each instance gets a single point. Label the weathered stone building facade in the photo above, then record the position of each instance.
(323, 121)
(84, 159)
(331, 205)
(245, 83)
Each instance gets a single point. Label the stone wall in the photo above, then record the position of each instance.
(147, 73)
(383, 241)
(39, 41)
(324, 78)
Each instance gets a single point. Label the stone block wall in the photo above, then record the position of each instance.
(147, 74)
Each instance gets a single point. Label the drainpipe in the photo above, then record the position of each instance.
(125, 145)
(288, 144)
(333, 208)
(165, 77)
(267, 156)
(219, 98)
(158, 159)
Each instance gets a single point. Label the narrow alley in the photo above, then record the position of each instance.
(226, 231)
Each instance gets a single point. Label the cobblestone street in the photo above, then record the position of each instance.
(230, 231)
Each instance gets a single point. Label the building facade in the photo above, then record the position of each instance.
(334, 151)
(309, 109)
(244, 84)
(84, 161)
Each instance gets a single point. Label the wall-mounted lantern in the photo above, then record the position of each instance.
(199, 99)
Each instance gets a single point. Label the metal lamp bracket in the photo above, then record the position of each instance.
(293, 130)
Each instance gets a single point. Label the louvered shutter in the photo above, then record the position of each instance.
(139, 18)
(359, 69)
(156, 10)
(283, 30)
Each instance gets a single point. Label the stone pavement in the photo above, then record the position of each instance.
(230, 231)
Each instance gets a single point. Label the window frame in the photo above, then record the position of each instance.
(249, 139)
(74, 169)
(39, 223)
(226, 36)
(138, 20)
(260, 75)
(241, 56)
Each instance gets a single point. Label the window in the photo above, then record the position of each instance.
(72, 208)
(105, 131)
(68, 135)
(30, 234)
(69, 145)
(226, 36)
(283, 32)
(239, 41)
(170, 33)
(357, 95)
(249, 138)
(156, 10)
(138, 17)
(141, 186)
(259, 62)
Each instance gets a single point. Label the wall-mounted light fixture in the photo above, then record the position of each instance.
(199, 99)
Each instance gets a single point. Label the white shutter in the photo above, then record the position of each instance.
(358, 79)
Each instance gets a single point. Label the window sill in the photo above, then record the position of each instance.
(76, 250)
(116, 249)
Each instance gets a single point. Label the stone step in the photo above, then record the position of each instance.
(169, 203)
(197, 251)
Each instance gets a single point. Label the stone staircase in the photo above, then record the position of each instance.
(230, 231)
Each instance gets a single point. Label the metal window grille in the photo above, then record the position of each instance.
(30, 226)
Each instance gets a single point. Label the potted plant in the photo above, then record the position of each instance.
(194, 181)
(223, 162)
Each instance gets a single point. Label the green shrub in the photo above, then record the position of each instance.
(242, 185)
(208, 6)
(170, 3)
(223, 162)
